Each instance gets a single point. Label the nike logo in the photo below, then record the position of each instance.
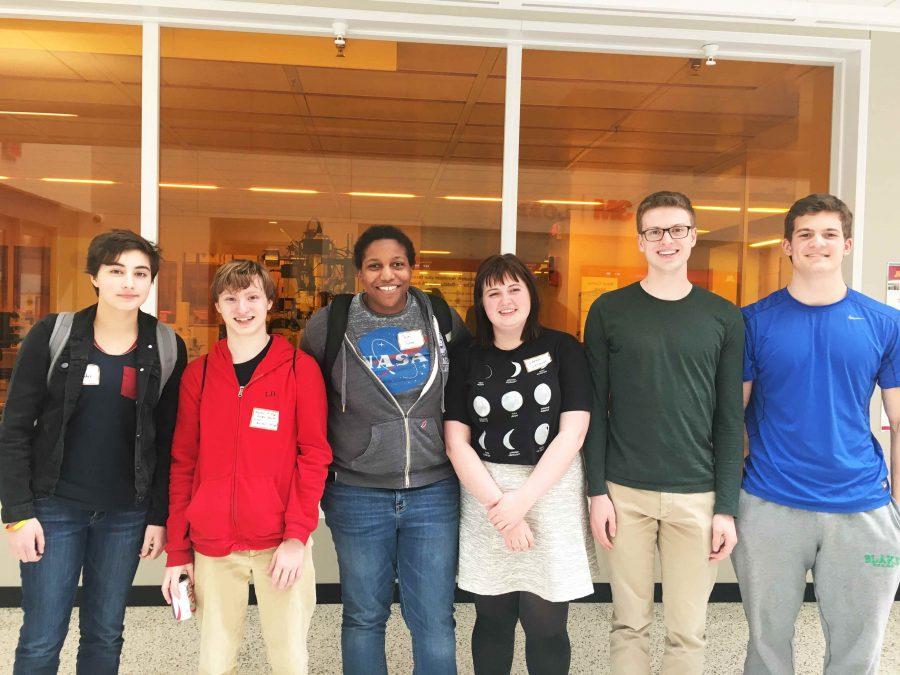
(855, 318)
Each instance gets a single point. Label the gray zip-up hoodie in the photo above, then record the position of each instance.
(376, 444)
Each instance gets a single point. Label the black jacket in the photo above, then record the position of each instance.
(36, 416)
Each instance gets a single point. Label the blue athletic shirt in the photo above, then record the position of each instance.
(814, 369)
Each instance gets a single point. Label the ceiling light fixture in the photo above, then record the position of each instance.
(699, 231)
(287, 191)
(463, 198)
(767, 242)
(189, 186)
(83, 181)
(4, 177)
(433, 252)
(36, 114)
(569, 202)
(729, 209)
(449, 274)
(389, 195)
(766, 209)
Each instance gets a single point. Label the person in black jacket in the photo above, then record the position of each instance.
(84, 458)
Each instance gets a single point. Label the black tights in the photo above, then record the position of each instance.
(547, 649)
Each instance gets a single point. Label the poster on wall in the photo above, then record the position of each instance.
(591, 289)
(892, 299)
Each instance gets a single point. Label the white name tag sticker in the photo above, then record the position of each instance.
(410, 339)
(91, 375)
(538, 362)
(264, 419)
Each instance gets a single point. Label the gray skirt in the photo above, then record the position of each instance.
(561, 564)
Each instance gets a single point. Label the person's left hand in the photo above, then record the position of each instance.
(509, 511)
(724, 537)
(287, 563)
(154, 542)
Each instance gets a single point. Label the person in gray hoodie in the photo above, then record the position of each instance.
(392, 498)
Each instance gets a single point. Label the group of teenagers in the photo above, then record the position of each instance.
(490, 462)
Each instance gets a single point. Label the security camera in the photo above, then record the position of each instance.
(339, 30)
(710, 51)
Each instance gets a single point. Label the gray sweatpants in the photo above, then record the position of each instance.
(855, 561)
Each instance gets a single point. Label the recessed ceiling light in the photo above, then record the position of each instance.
(189, 186)
(85, 181)
(463, 198)
(36, 114)
(767, 242)
(449, 274)
(699, 231)
(766, 209)
(273, 222)
(426, 251)
(729, 209)
(287, 191)
(569, 202)
(394, 195)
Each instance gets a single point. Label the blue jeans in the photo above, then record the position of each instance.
(104, 545)
(411, 535)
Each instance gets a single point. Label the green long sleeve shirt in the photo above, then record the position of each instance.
(667, 411)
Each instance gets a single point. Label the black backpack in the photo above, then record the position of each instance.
(337, 326)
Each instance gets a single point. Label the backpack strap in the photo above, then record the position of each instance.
(334, 336)
(62, 327)
(441, 311)
(167, 344)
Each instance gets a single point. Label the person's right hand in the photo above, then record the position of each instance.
(603, 520)
(27, 543)
(170, 580)
(519, 538)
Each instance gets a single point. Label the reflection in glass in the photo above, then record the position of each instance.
(70, 116)
(601, 131)
(275, 149)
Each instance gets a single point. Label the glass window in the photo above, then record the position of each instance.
(276, 148)
(70, 122)
(599, 132)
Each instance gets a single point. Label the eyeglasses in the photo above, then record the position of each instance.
(657, 233)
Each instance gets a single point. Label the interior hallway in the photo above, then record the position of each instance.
(154, 643)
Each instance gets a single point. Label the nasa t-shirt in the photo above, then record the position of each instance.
(397, 348)
(512, 399)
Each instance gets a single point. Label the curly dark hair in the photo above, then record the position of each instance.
(377, 232)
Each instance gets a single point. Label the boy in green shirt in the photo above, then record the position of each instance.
(665, 443)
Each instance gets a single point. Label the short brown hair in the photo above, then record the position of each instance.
(661, 199)
(494, 270)
(237, 275)
(106, 248)
(818, 203)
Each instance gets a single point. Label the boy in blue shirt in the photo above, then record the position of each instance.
(816, 492)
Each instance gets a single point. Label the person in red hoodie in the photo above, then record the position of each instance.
(249, 461)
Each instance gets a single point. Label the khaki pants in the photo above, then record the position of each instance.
(221, 588)
(680, 525)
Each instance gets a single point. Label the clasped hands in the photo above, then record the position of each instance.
(507, 515)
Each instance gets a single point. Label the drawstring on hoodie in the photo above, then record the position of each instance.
(343, 378)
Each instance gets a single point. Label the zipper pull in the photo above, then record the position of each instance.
(240, 392)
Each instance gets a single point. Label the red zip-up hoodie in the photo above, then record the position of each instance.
(248, 463)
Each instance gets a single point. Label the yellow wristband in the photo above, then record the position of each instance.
(12, 527)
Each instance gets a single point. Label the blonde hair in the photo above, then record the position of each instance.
(237, 275)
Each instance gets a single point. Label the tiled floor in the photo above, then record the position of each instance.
(154, 643)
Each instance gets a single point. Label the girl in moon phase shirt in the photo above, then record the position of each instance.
(517, 409)
(512, 400)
